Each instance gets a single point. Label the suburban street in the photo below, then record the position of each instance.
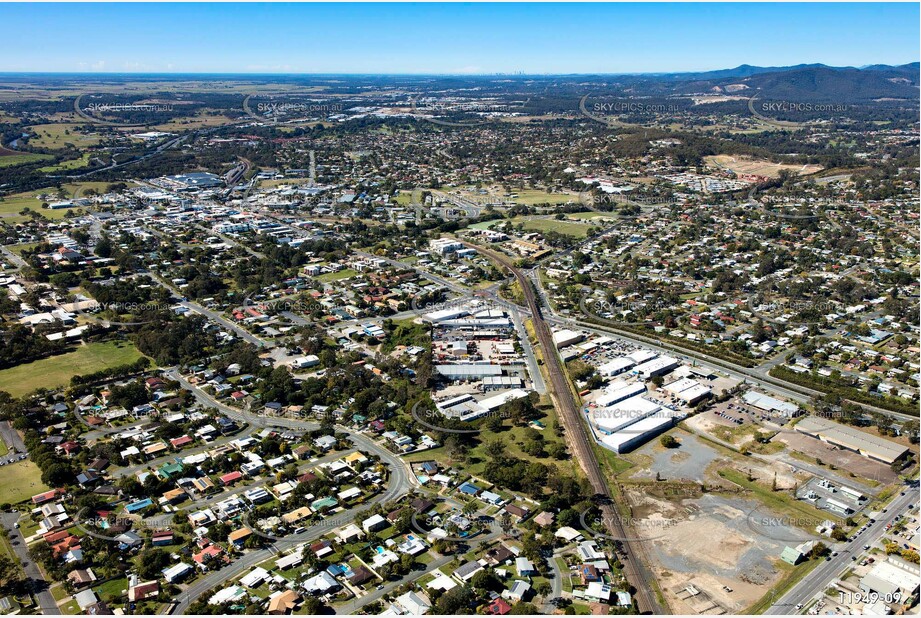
(33, 573)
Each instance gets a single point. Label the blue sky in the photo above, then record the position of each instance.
(450, 38)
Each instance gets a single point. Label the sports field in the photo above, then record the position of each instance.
(56, 371)
(20, 481)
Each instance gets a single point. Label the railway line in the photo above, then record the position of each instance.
(634, 554)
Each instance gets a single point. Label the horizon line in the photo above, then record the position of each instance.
(441, 74)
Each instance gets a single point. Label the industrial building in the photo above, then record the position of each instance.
(852, 439)
(687, 390)
(641, 356)
(770, 404)
(656, 367)
(616, 366)
(619, 390)
(629, 423)
(563, 338)
(888, 579)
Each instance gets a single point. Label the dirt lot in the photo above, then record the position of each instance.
(711, 544)
(840, 458)
(759, 167)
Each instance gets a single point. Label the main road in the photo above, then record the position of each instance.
(635, 569)
(820, 578)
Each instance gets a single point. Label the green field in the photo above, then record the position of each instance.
(337, 276)
(10, 205)
(591, 215)
(55, 136)
(570, 228)
(19, 159)
(20, 481)
(539, 224)
(533, 196)
(70, 164)
(56, 371)
(18, 249)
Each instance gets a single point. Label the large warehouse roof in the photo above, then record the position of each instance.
(852, 438)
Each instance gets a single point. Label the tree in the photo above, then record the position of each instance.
(819, 550)
(669, 442)
(454, 601)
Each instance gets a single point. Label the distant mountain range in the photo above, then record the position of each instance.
(813, 82)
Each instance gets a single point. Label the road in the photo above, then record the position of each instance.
(215, 316)
(12, 257)
(795, 392)
(399, 484)
(824, 575)
(635, 569)
(37, 581)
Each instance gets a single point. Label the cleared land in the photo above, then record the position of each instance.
(758, 167)
(70, 164)
(20, 481)
(56, 136)
(56, 371)
(9, 158)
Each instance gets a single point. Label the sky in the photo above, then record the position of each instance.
(450, 38)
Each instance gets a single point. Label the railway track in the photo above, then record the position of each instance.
(634, 554)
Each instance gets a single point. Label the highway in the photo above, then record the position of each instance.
(826, 573)
(635, 569)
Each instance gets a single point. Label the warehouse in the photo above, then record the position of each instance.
(613, 418)
(687, 390)
(770, 404)
(494, 383)
(619, 390)
(468, 371)
(887, 579)
(656, 367)
(638, 433)
(563, 338)
(852, 439)
(616, 366)
(641, 356)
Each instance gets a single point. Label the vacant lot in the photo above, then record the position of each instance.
(337, 276)
(759, 167)
(70, 164)
(9, 158)
(20, 481)
(56, 136)
(541, 224)
(56, 371)
(533, 196)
